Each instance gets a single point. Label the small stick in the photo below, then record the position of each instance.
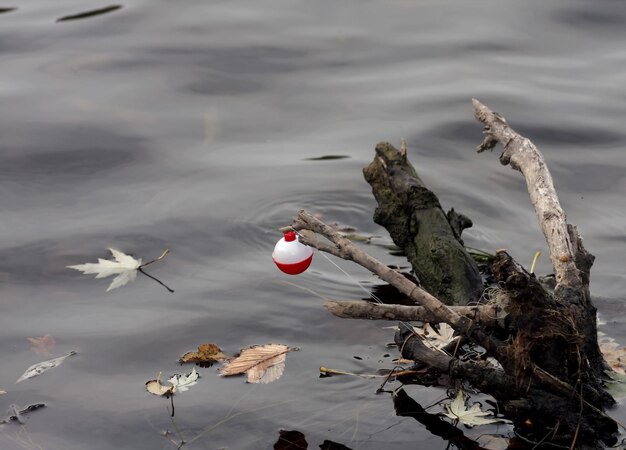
(156, 279)
(163, 255)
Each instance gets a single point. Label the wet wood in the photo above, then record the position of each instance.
(483, 315)
(310, 228)
(416, 222)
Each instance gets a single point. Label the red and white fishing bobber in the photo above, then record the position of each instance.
(290, 255)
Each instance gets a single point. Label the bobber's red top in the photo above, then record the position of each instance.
(290, 255)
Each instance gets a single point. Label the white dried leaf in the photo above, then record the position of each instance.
(39, 368)
(182, 383)
(155, 387)
(122, 265)
(473, 416)
(493, 362)
(435, 339)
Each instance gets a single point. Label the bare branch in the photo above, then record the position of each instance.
(483, 315)
(522, 155)
(347, 250)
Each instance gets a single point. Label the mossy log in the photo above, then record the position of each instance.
(415, 220)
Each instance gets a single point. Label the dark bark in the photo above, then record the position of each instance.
(539, 402)
(418, 225)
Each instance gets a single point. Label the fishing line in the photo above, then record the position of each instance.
(367, 291)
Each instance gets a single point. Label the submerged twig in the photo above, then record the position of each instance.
(155, 279)
(161, 257)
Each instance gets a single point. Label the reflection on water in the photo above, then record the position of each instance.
(203, 127)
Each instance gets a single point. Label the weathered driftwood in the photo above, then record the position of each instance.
(416, 222)
(570, 261)
(552, 370)
(522, 155)
(492, 315)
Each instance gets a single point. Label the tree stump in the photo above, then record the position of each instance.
(415, 220)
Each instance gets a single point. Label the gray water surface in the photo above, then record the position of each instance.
(189, 125)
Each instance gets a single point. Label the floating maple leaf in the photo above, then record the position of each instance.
(39, 368)
(435, 339)
(182, 383)
(457, 410)
(122, 265)
(42, 345)
(206, 355)
(262, 363)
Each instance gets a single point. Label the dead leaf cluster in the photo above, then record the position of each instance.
(261, 363)
(176, 383)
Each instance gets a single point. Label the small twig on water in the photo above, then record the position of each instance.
(163, 255)
(178, 432)
(155, 279)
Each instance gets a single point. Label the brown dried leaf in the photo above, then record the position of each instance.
(42, 345)
(262, 363)
(155, 387)
(206, 354)
(267, 371)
